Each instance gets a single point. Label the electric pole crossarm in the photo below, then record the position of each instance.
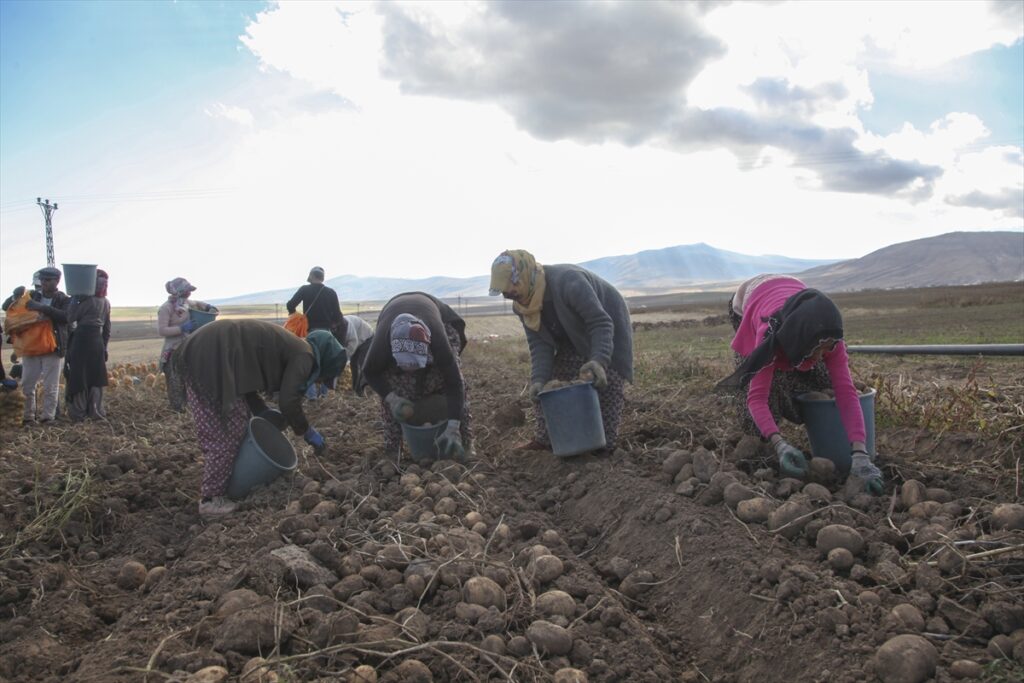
(48, 210)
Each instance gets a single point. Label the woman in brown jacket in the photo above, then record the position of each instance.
(225, 366)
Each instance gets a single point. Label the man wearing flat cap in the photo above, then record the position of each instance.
(50, 303)
(322, 309)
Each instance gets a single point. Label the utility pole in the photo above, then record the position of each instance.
(48, 210)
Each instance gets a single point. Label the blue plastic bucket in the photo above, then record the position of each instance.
(428, 422)
(422, 441)
(80, 279)
(265, 455)
(573, 416)
(200, 318)
(827, 434)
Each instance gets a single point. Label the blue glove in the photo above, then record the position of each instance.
(9, 384)
(313, 438)
(187, 326)
(450, 442)
(863, 468)
(792, 462)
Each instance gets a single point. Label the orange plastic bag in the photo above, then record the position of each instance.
(31, 333)
(297, 324)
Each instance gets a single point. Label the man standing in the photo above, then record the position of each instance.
(51, 303)
(323, 312)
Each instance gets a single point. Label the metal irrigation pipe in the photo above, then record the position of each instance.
(942, 349)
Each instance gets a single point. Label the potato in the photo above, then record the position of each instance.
(1008, 517)
(556, 602)
(911, 493)
(568, 675)
(364, 673)
(906, 659)
(549, 638)
(754, 510)
(482, 591)
(132, 575)
(839, 536)
(547, 568)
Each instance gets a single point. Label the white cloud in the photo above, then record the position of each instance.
(238, 115)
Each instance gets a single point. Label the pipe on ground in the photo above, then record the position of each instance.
(941, 349)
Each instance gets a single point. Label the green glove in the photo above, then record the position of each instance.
(863, 468)
(450, 442)
(535, 389)
(401, 407)
(593, 372)
(792, 462)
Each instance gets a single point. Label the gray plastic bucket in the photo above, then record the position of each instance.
(827, 434)
(265, 455)
(573, 416)
(80, 279)
(427, 423)
(200, 318)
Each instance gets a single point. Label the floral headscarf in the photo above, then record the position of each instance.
(179, 289)
(410, 342)
(512, 267)
(101, 282)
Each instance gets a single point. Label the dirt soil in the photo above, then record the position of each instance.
(633, 566)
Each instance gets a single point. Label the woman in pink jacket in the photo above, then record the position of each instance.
(789, 340)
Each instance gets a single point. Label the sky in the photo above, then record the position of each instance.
(240, 143)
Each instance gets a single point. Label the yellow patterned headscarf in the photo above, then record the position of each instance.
(513, 267)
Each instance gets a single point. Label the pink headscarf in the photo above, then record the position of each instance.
(101, 282)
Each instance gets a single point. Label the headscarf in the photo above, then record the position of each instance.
(329, 356)
(179, 289)
(101, 282)
(805, 320)
(512, 267)
(410, 342)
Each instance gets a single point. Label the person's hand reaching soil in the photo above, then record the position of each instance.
(864, 469)
(450, 442)
(792, 462)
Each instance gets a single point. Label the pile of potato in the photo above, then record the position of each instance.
(12, 408)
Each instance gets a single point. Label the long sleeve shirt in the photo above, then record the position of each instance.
(169, 318)
(588, 312)
(321, 306)
(91, 311)
(434, 315)
(762, 302)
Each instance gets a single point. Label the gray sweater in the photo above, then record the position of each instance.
(595, 319)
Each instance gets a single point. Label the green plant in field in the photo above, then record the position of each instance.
(75, 494)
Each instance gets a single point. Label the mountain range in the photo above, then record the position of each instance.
(956, 258)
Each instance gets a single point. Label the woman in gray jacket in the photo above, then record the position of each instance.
(577, 326)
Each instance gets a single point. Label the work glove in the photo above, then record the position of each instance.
(313, 438)
(792, 462)
(450, 442)
(275, 417)
(536, 388)
(593, 372)
(401, 407)
(9, 384)
(34, 305)
(864, 469)
(18, 292)
(187, 326)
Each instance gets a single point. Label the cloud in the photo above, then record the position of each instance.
(587, 71)
(1009, 200)
(618, 72)
(239, 115)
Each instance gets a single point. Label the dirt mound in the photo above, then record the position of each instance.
(682, 556)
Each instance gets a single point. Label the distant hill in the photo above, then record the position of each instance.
(955, 258)
(649, 271)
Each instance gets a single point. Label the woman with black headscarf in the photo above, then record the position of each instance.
(225, 366)
(789, 340)
(85, 368)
